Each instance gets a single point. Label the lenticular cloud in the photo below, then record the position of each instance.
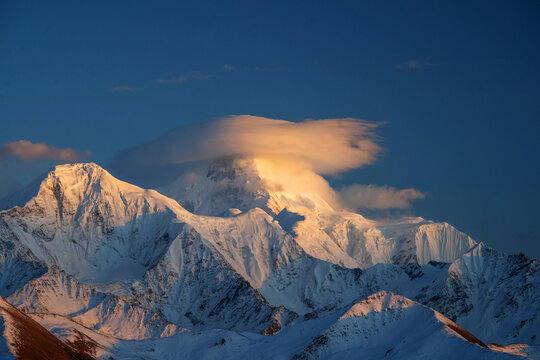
(327, 146)
(290, 155)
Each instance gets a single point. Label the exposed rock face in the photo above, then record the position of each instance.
(27, 340)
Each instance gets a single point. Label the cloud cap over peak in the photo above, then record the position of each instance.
(28, 151)
(327, 146)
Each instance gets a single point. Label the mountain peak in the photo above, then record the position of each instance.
(211, 188)
(72, 175)
(67, 175)
(83, 211)
(378, 302)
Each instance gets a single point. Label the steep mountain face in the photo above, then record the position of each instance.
(91, 257)
(487, 284)
(18, 265)
(194, 285)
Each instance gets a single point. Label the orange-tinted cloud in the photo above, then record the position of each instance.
(327, 146)
(27, 151)
(290, 156)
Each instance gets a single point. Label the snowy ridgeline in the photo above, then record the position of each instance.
(229, 266)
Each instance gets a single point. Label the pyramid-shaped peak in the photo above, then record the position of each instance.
(85, 177)
(73, 173)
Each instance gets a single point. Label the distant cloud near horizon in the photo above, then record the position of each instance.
(373, 197)
(196, 75)
(414, 64)
(27, 151)
(123, 88)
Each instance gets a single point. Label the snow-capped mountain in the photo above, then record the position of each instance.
(308, 212)
(230, 261)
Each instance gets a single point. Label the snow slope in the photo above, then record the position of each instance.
(59, 293)
(382, 325)
(388, 325)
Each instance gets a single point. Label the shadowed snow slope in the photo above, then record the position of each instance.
(487, 284)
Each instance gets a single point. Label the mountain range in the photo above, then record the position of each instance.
(232, 261)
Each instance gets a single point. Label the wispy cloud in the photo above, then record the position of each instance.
(414, 64)
(373, 197)
(27, 151)
(123, 88)
(194, 75)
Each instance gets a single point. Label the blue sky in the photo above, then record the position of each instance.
(456, 83)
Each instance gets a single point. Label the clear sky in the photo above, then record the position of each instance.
(457, 84)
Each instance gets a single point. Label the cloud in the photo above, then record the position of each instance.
(123, 88)
(414, 64)
(27, 151)
(327, 146)
(194, 75)
(373, 197)
(290, 156)
(228, 67)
